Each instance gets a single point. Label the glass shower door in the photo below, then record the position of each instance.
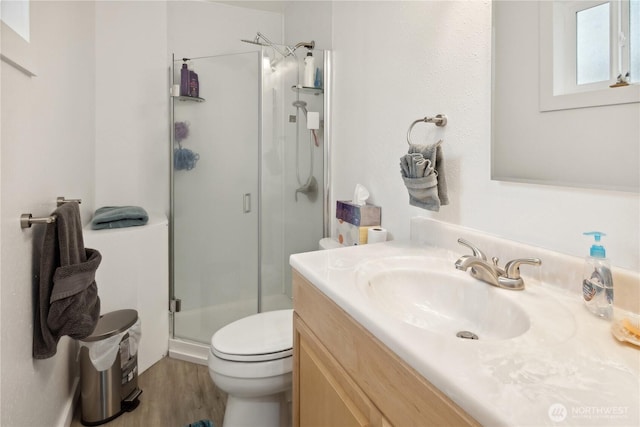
(215, 203)
(293, 170)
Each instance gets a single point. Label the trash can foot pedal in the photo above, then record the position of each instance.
(131, 402)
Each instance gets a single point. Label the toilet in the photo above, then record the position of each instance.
(251, 360)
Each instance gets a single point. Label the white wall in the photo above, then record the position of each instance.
(305, 21)
(201, 28)
(132, 90)
(47, 151)
(395, 62)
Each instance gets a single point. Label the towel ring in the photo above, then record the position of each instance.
(439, 120)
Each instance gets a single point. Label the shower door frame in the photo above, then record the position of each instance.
(174, 301)
(179, 347)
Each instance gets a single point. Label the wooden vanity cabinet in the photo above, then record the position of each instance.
(343, 376)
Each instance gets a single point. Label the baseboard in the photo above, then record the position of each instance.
(66, 416)
(188, 351)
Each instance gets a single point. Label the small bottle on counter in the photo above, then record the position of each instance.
(597, 283)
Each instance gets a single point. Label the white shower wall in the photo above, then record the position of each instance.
(290, 224)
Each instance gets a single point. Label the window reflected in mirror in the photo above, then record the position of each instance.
(592, 44)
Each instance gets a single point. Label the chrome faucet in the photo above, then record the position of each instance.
(506, 278)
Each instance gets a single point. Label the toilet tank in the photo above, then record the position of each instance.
(328, 243)
(134, 274)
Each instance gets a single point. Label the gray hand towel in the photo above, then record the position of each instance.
(67, 300)
(423, 192)
(119, 217)
(421, 176)
(434, 154)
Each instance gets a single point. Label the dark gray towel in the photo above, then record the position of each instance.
(67, 300)
(119, 217)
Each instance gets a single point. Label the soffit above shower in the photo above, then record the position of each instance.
(268, 6)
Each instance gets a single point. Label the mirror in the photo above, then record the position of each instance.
(595, 146)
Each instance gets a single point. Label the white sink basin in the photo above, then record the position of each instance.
(438, 298)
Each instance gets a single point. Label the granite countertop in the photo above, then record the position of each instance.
(566, 369)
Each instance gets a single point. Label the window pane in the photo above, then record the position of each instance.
(634, 40)
(592, 50)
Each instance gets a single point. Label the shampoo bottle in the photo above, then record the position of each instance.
(597, 283)
(194, 84)
(184, 79)
(309, 70)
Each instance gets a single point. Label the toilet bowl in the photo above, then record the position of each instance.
(251, 360)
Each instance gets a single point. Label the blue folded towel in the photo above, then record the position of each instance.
(119, 217)
(201, 423)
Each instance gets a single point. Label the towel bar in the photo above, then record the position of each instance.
(27, 220)
(62, 200)
(439, 120)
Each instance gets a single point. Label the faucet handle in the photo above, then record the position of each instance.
(476, 252)
(512, 268)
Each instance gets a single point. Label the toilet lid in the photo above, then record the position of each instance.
(259, 337)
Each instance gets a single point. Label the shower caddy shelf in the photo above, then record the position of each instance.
(307, 90)
(189, 98)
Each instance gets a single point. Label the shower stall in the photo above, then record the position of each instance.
(249, 184)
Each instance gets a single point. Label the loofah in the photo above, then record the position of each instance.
(184, 159)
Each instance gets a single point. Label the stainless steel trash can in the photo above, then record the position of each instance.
(109, 393)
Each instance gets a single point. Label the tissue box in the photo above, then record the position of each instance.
(351, 235)
(362, 216)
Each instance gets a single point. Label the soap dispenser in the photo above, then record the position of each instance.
(597, 283)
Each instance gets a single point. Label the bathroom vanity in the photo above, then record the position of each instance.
(344, 376)
(375, 340)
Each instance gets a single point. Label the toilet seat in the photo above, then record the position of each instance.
(257, 338)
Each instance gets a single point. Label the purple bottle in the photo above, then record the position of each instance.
(194, 86)
(184, 80)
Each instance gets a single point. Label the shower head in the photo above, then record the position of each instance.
(266, 43)
(309, 45)
(261, 40)
(256, 41)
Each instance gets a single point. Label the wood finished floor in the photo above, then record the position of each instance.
(174, 394)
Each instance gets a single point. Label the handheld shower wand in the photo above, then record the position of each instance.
(303, 106)
(310, 187)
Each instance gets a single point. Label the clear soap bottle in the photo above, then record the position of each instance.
(597, 283)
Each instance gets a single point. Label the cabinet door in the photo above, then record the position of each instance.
(324, 394)
(322, 401)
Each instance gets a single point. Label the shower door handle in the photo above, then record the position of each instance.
(246, 203)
